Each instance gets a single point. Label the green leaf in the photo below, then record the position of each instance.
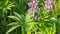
(13, 23)
(54, 28)
(14, 17)
(0, 5)
(6, 2)
(17, 15)
(28, 19)
(10, 5)
(11, 29)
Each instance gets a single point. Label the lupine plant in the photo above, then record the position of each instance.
(49, 5)
(33, 9)
(29, 16)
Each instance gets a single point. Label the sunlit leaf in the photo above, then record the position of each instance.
(10, 5)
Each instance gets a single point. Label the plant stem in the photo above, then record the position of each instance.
(23, 30)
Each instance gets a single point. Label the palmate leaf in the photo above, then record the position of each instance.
(14, 18)
(19, 19)
(11, 29)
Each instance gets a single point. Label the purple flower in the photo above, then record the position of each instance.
(36, 2)
(30, 4)
(49, 5)
(33, 5)
(35, 11)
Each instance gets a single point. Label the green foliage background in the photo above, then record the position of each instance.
(14, 18)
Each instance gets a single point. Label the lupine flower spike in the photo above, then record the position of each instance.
(49, 5)
(33, 5)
